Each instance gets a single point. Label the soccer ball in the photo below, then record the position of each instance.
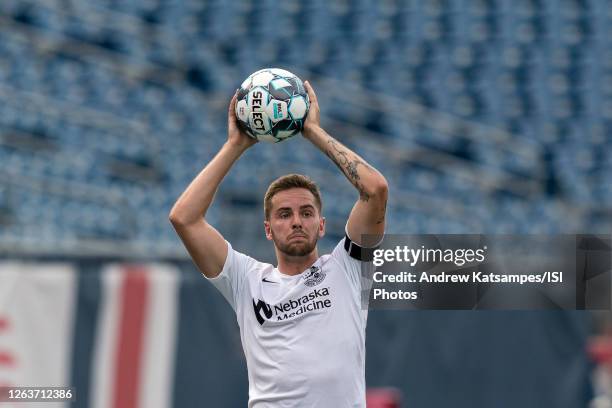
(272, 105)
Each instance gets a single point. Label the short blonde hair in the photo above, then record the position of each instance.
(287, 182)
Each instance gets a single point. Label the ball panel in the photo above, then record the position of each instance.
(283, 94)
(285, 134)
(280, 83)
(242, 110)
(262, 78)
(281, 72)
(298, 107)
(277, 110)
(285, 127)
(297, 85)
(242, 92)
(299, 125)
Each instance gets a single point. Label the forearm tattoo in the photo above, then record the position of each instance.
(340, 157)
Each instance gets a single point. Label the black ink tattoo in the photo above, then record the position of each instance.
(363, 195)
(381, 219)
(352, 170)
(348, 167)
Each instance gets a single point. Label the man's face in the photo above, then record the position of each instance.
(295, 224)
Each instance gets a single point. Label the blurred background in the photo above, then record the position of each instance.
(485, 117)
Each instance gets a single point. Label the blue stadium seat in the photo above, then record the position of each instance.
(543, 72)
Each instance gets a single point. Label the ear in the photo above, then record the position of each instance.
(268, 230)
(321, 227)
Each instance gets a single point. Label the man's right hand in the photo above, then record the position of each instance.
(235, 136)
(204, 243)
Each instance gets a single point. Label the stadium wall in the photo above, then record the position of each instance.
(158, 335)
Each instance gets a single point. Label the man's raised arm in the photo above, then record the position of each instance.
(204, 243)
(368, 213)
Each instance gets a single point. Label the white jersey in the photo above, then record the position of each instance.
(303, 336)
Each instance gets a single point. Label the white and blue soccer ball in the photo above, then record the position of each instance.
(272, 105)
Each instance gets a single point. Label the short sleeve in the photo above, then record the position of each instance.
(230, 282)
(359, 272)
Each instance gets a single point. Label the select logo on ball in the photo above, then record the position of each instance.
(257, 102)
(259, 122)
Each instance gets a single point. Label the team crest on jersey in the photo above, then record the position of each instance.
(314, 276)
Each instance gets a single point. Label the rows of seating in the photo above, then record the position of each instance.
(509, 132)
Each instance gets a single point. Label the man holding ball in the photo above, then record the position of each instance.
(302, 323)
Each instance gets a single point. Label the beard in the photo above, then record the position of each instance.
(296, 248)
